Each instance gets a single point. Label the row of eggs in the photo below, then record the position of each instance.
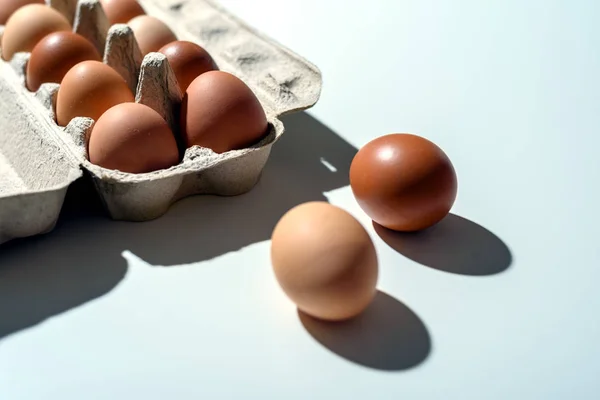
(26, 25)
(117, 11)
(219, 111)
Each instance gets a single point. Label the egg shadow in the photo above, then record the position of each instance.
(387, 336)
(81, 259)
(455, 245)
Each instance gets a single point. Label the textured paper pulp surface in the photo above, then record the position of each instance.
(31, 142)
(34, 171)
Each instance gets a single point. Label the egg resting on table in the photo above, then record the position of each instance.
(55, 55)
(325, 261)
(88, 90)
(28, 25)
(403, 182)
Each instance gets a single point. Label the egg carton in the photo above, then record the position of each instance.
(39, 160)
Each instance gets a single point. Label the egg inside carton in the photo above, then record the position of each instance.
(147, 196)
(39, 159)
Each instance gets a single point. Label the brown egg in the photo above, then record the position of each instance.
(55, 55)
(121, 11)
(28, 25)
(221, 112)
(151, 33)
(188, 61)
(8, 7)
(403, 182)
(324, 261)
(88, 90)
(133, 138)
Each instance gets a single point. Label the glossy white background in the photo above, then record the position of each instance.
(509, 89)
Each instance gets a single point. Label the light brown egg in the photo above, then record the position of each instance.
(121, 11)
(28, 25)
(188, 61)
(133, 138)
(151, 33)
(220, 112)
(55, 55)
(8, 7)
(88, 90)
(325, 261)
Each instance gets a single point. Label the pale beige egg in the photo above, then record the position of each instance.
(28, 25)
(325, 261)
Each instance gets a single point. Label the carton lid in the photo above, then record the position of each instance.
(282, 80)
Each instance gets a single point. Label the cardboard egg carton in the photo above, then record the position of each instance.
(39, 159)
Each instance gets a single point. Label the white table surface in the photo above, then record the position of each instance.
(499, 303)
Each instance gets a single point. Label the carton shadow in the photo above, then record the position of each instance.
(45, 275)
(454, 245)
(209, 226)
(81, 259)
(386, 336)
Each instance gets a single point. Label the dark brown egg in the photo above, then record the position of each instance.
(55, 55)
(221, 112)
(88, 90)
(28, 25)
(325, 261)
(151, 33)
(121, 11)
(8, 7)
(188, 61)
(133, 138)
(403, 182)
